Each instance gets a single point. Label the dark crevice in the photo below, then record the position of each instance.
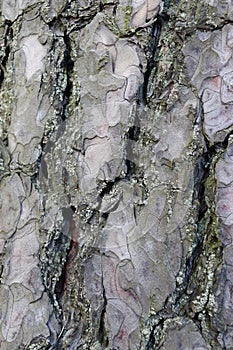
(67, 230)
(68, 66)
(130, 168)
(212, 27)
(108, 188)
(101, 7)
(151, 342)
(54, 257)
(92, 215)
(7, 40)
(61, 283)
(109, 185)
(157, 329)
(131, 135)
(103, 339)
(142, 99)
(134, 131)
(173, 305)
(73, 208)
(152, 61)
(114, 10)
(105, 216)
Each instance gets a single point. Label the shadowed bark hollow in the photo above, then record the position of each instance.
(116, 173)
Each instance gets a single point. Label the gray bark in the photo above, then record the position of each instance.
(116, 174)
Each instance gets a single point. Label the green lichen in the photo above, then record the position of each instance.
(38, 343)
(120, 23)
(6, 96)
(127, 11)
(203, 303)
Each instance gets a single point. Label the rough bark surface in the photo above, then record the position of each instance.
(116, 173)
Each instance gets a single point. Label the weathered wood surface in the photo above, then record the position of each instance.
(116, 197)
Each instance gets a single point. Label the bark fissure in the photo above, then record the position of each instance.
(103, 338)
(53, 263)
(206, 244)
(8, 36)
(116, 175)
(68, 65)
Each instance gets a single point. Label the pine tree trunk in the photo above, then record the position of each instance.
(116, 174)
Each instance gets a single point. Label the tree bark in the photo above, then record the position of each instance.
(116, 174)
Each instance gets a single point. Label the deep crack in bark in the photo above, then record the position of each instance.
(206, 242)
(68, 66)
(4, 59)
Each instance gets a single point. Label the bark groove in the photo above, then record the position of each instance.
(116, 175)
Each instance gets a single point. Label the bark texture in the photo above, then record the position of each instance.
(116, 173)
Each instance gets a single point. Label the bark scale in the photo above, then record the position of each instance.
(116, 174)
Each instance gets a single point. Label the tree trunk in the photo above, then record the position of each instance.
(116, 174)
